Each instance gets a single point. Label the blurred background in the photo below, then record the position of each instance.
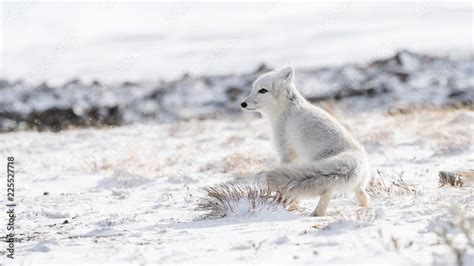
(92, 63)
(150, 40)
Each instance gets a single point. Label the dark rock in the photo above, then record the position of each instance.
(72, 82)
(400, 74)
(399, 60)
(208, 81)
(233, 93)
(64, 108)
(366, 90)
(55, 119)
(463, 178)
(96, 83)
(43, 87)
(262, 68)
(4, 83)
(112, 116)
(156, 94)
(457, 94)
(185, 76)
(130, 84)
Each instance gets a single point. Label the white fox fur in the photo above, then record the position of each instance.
(318, 155)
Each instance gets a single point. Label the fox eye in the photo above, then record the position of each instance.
(262, 91)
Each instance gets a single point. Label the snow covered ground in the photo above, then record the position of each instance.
(129, 194)
(144, 98)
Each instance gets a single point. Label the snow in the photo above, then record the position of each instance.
(122, 41)
(162, 83)
(399, 81)
(130, 194)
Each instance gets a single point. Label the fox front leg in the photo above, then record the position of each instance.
(323, 203)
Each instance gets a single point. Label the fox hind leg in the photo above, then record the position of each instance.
(323, 203)
(362, 197)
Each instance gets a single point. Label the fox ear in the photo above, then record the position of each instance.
(287, 74)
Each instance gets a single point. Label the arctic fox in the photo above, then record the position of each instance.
(318, 155)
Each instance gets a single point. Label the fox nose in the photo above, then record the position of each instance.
(244, 104)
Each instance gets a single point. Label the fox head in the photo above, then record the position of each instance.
(270, 90)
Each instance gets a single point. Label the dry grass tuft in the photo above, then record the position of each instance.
(458, 234)
(366, 215)
(398, 187)
(240, 200)
(456, 178)
(402, 188)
